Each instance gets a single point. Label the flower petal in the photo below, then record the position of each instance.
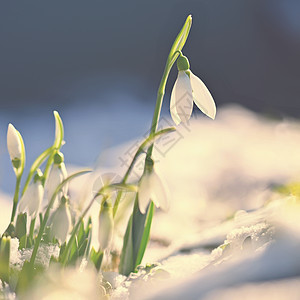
(181, 104)
(36, 198)
(144, 193)
(13, 142)
(159, 193)
(105, 227)
(61, 223)
(202, 97)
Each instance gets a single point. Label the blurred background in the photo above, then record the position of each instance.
(99, 64)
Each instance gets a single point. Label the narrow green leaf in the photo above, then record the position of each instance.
(126, 265)
(74, 254)
(21, 225)
(82, 247)
(23, 242)
(180, 40)
(81, 233)
(4, 258)
(96, 257)
(88, 233)
(59, 135)
(59, 130)
(146, 235)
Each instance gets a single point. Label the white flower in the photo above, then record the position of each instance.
(61, 222)
(14, 144)
(188, 89)
(106, 226)
(31, 200)
(152, 188)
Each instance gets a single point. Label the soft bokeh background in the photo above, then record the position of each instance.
(99, 64)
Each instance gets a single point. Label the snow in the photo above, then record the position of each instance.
(227, 234)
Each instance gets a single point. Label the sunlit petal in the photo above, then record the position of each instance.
(181, 104)
(61, 223)
(13, 143)
(32, 198)
(202, 97)
(105, 229)
(159, 192)
(144, 194)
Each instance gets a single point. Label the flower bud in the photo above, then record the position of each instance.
(61, 221)
(14, 146)
(106, 226)
(31, 200)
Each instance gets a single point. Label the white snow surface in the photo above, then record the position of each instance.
(220, 176)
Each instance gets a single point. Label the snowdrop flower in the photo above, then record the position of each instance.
(14, 145)
(57, 174)
(61, 221)
(188, 89)
(106, 225)
(33, 196)
(152, 188)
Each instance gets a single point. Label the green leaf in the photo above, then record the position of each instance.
(21, 225)
(136, 239)
(126, 265)
(180, 40)
(27, 278)
(82, 247)
(4, 258)
(96, 257)
(74, 253)
(23, 242)
(59, 135)
(146, 235)
(81, 233)
(61, 251)
(88, 233)
(59, 131)
(154, 137)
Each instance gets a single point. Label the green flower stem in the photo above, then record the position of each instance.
(31, 230)
(42, 157)
(16, 198)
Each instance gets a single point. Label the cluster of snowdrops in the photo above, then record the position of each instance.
(41, 208)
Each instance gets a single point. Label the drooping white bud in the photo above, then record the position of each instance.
(13, 142)
(106, 226)
(189, 89)
(31, 200)
(61, 221)
(152, 188)
(14, 146)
